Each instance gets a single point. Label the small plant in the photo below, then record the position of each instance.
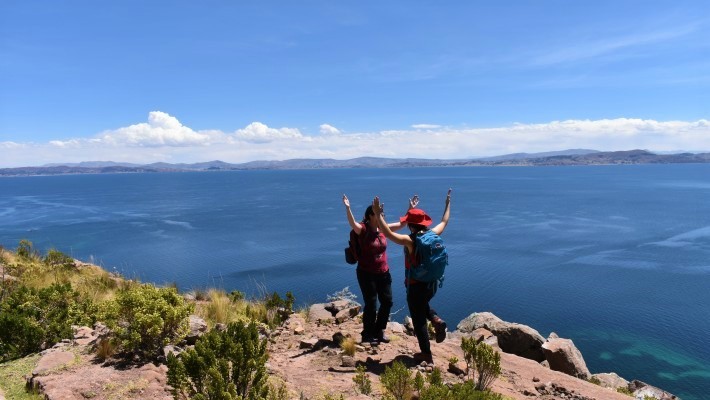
(594, 380)
(482, 359)
(279, 392)
(144, 318)
(219, 307)
(222, 365)
(435, 378)
(26, 250)
(453, 360)
(344, 294)
(362, 381)
(56, 258)
(105, 349)
(625, 390)
(419, 383)
(329, 396)
(348, 346)
(236, 296)
(397, 381)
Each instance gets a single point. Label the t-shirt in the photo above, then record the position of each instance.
(373, 249)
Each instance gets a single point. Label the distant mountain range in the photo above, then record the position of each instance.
(557, 158)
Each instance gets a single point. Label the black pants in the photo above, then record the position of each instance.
(418, 297)
(374, 287)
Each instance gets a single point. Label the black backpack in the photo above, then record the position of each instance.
(352, 252)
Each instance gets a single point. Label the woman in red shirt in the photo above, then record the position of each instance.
(373, 275)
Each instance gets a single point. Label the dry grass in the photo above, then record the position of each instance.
(348, 346)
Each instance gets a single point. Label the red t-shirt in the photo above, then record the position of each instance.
(373, 249)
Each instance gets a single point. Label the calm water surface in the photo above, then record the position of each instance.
(616, 258)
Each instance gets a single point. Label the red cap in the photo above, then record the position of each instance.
(416, 216)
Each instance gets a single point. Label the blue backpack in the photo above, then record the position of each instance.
(431, 256)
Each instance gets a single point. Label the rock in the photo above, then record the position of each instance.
(348, 361)
(84, 336)
(408, 324)
(611, 380)
(346, 314)
(564, 356)
(552, 335)
(308, 343)
(513, 338)
(338, 338)
(172, 349)
(336, 306)
(220, 327)
(52, 361)
(198, 327)
(318, 313)
(395, 327)
(642, 389)
(458, 368)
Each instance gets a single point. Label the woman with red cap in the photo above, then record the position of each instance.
(373, 274)
(418, 293)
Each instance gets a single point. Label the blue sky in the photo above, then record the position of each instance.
(187, 81)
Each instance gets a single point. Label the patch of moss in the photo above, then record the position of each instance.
(12, 378)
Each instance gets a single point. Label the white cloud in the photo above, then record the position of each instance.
(161, 129)
(426, 126)
(326, 129)
(163, 138)
(256, 132)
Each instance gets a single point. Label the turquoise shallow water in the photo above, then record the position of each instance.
(616, 258)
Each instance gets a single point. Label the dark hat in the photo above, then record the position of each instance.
(416, 216)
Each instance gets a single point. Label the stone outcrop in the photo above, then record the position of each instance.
(338, 311)
(198, 327)
(611, 380)
(513, 338)
(562, 355)
(641, 390)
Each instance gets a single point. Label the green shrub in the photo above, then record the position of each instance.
(398, 381)
(225, 365)
(362, 381)
(32, 318)
(144, 318)
(482, 359)
(56, 258)
(25, 249)
(625, 390)
(459, 391)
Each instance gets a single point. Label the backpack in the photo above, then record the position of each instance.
(352, 252)
(431, 256)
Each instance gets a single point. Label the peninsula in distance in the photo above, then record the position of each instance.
(556, 158)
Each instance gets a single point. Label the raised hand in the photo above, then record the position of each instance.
(346, 201)
(414, 201)
(377, 207)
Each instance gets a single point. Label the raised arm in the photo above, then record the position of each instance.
(439, 229)
(351, 219)
(395, 226)
(400, 239)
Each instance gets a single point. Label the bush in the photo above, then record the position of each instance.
(25, 249)
(32, 319)
(144, 318)
(482, 359)
(397, 381)
(460, 391)
(362, 381)
(56, 258)
(348, 346)
(223, 365)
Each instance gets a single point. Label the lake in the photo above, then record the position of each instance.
(616, 258)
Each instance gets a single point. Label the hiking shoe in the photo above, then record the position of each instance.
(439, 329)
(368, 339)
(382, 338)
(423, 357)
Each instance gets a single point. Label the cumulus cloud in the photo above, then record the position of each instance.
(161, 129)
(326, 129)
(164, 138)
(256, 132)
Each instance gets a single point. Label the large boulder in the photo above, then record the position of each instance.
(513, 338)
(319, 314)
(563, 356)
(198, 327)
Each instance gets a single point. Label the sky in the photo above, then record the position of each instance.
(188, 81)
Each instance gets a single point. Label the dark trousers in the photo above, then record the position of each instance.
(374, 287)
(418, 297)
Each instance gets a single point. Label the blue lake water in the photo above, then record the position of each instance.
(616, 258)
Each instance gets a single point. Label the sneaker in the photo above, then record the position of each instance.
(439, 329)
(423, 357)
(368, 339)
(382, 338)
